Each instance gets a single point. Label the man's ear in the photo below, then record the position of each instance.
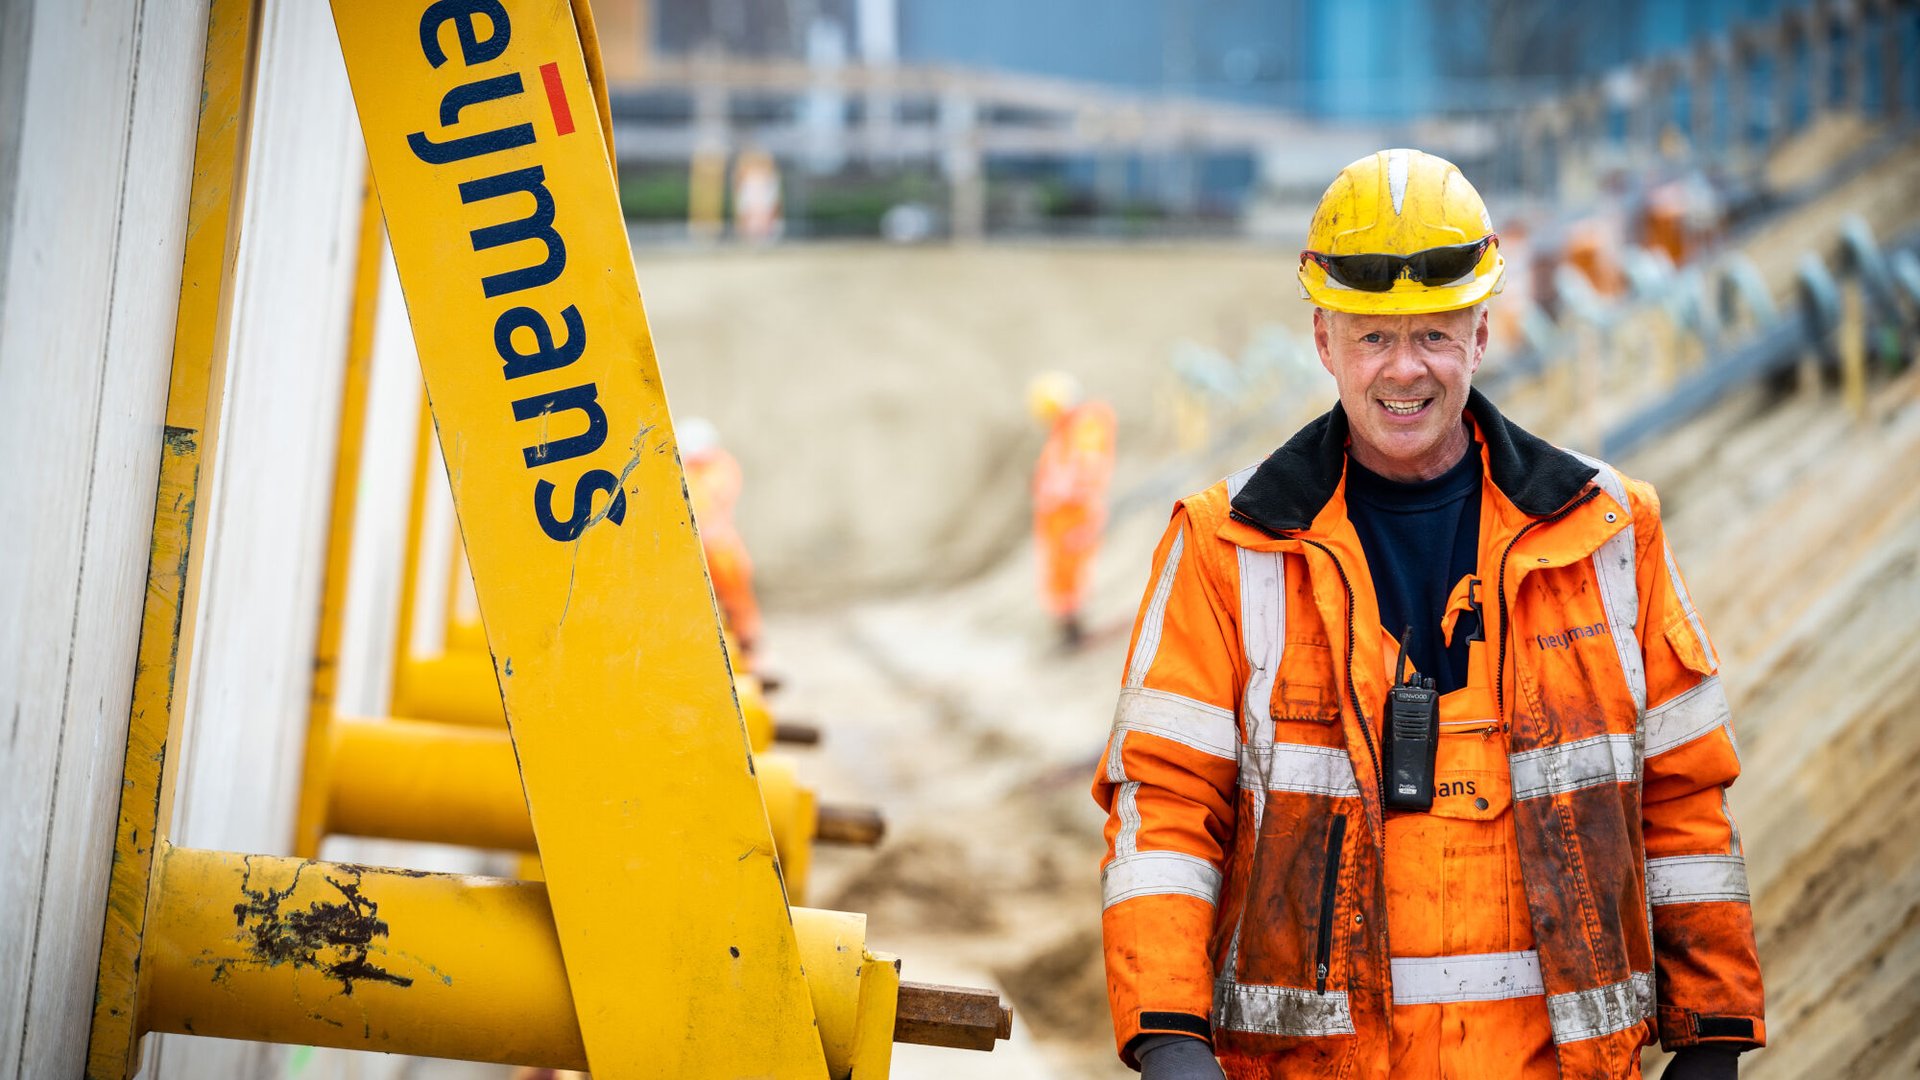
(1322, 337)
(1482, 333)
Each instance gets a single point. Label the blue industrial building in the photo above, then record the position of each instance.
(1339, 60)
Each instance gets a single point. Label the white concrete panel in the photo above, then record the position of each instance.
(380, 519)
(267, 524)
(102, 123)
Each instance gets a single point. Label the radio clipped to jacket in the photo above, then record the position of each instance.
(1411, 738)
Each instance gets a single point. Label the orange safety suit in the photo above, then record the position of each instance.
(713, 486)
(1578, 888)
(1070, 502)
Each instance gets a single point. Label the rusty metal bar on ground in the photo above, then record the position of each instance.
(955, 1016)
(796, 733)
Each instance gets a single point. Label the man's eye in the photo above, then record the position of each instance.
(1373, 338)
(1435, 335)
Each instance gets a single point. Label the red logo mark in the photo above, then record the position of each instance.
(557, 98)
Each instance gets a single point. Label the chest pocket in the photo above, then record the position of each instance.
(1304, 704)
(1472, 781)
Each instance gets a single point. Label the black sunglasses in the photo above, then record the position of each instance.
(1376, 272)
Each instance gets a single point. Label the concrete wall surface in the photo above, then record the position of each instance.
(100, 126)
(98, 111)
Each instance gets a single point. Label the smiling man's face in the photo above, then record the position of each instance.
(1403, 382)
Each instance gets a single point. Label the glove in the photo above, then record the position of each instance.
(1176, 1057)
(1704, 1063)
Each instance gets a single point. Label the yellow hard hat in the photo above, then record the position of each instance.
(1400, 232)
(1050, 394)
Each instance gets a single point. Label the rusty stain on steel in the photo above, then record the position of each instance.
(334, 937)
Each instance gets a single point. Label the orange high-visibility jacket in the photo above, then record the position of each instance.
(713, 488)
(1244, 897)
(1070, 502)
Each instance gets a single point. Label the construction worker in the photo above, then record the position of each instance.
(1069, 494)
(713, 486)
(1507, 855)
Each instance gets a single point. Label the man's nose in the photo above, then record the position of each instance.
(1403, 362)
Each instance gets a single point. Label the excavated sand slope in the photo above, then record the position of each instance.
(876, 396)
(1799, 529)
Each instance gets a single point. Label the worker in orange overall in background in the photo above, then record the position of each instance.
(713, 486)
(1069, 494)
(1420, 760)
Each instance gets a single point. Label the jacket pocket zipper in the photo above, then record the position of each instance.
(1329, 895)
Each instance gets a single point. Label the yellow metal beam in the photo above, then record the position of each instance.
(336, 954)
(507, 232)
(419, 780)
(453, 784)
(173, 569)
(410, 556)
(309, 825)
(458, 687)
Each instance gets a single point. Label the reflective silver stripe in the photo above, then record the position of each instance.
(1238, 481)
(1697, 879)
(1206, 728)
(1688, 716)
(1427, 980)
(1686, 604)
(1589, 1014)
(1551, 770)
(1124, 803)
(1153, 620)
(1619, 588)
(1279, 1010)
(1263, 636)
(1312, 770)
(1127, 806)
(1159, 873)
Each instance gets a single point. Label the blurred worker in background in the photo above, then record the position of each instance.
(1069, 494)
(713, 486)
(1420, 760)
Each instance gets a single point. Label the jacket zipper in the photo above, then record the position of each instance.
(1366, 732)
(1500, 668)
(1329, 895)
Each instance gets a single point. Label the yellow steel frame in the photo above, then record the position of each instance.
(336, 954)
(310, 823)
(173, 573)
(662, 943)
(507, 232)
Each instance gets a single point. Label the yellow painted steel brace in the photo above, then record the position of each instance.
(661, 943)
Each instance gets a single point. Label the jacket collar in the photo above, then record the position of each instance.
(1289, 489)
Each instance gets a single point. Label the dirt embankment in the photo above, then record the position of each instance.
(1799, 528)
(876, 396)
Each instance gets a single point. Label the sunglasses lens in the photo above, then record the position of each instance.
(1373, 272)
(1438, 266)
(1366, 272)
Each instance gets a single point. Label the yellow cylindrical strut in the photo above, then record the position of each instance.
(287, 950)
(455, 784)
(459, 687)
(419, 780)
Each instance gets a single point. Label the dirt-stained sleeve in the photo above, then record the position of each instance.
(1167, 782)
(1709, 986)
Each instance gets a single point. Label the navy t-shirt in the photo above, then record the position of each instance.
(1420, 539)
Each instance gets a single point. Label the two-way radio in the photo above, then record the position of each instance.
(1411, 737)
